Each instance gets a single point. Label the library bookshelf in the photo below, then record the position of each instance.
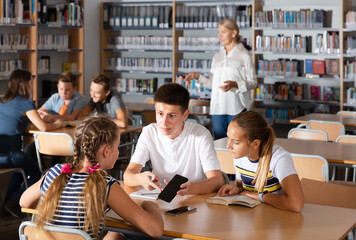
(45, 39)
(182, 36)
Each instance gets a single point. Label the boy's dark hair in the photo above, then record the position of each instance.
(67, 77)
(173, 94)
(102, 80)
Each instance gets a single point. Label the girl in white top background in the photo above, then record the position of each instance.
(231, 78)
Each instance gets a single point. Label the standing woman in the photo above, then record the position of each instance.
(231, 78)
(16, 110)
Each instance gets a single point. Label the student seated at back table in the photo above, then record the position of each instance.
(102, 100)
(66, 104)
(76, 195)
(264, 171)
(175, 146)
(16, 111)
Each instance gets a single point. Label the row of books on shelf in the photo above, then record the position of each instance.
(280, 67)
(129, 85)
(7, 66)
(156, 16)
(282, 91)
(11, 41)
(351, 95)
(350, 19)
(289, 44)
(194, 65)
(282, 113)
(350, 44)
(304, 18)
(327, 43)
(140, 42)
(208, 16)
(17, 11)
(67, 14)
(140, 64)
(350, 70)
(53, 41)
(199, 43)
(295, 67)
(195, 89)
(43, 65)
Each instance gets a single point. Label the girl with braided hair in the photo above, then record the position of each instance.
(76, 195)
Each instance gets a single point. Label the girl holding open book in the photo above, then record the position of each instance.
(76, 195)
(264, 171)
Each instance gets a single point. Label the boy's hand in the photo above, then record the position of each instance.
(185, 187)
(150, 181)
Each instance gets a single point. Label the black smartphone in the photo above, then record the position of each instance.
(180, 210)
(170, 191)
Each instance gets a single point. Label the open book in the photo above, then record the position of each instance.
(236, 199)
(146, 194)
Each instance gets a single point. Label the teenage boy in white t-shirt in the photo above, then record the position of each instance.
(175, 146)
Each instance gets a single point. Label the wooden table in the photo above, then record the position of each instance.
(347, 120)
(193, 110)
(211, 221)
(71, 130)
(333, 152)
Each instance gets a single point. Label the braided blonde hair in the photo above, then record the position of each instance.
(90, 135)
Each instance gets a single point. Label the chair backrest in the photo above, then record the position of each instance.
(195, 119)
(199, 103)
(27, 232)
(307, 134)
(149, 100)
(148, 116)
(346, 139)
(54, 144)
(226, 161)
(332, 129)
(311, 166)
(346, 113)
(330, 194)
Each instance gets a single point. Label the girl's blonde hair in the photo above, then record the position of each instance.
(231, 25)
(256, 127)
(90, 135)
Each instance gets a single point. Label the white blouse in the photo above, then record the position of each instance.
(236, 66)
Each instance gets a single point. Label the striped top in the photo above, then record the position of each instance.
(281, 166)
(70, 212)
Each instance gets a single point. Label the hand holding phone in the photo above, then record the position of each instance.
(180, 210)
(170, 191)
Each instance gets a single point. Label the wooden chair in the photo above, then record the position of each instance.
(346, 113)
(332, 129)
(351, 139)
(53, 144)
(311, 166)
(149, 100)
(148, 116)
(307, 134)
(199, 103)
(27, 232)
(226, 162)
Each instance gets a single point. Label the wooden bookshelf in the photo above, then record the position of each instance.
(33, 28)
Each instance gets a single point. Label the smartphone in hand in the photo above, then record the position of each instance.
(180, 210)
(170, 191)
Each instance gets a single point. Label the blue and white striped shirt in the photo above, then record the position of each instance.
(70, 212)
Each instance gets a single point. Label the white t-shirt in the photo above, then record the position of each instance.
(237, 66)
(281, 166)
(191, 154)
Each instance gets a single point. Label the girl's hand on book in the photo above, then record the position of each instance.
(228, 190)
